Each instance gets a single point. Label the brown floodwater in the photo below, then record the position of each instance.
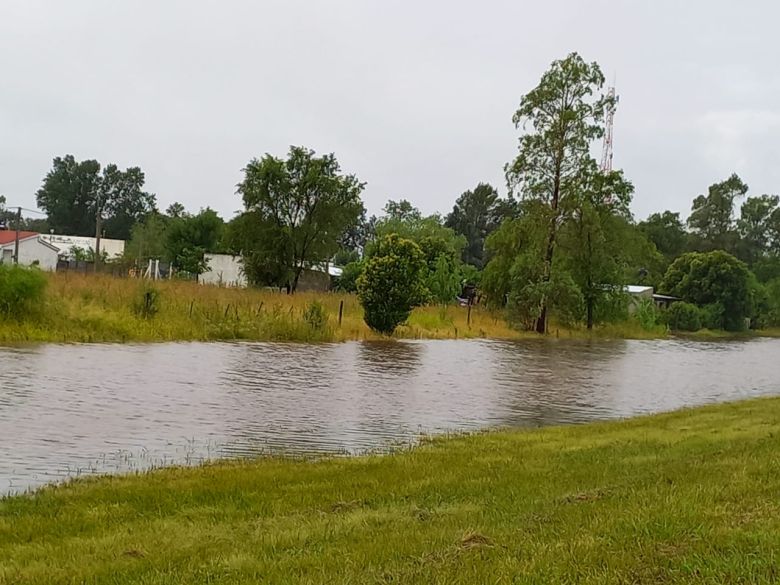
(69, 410)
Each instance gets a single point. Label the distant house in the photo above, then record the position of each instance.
(33, 250)
(227, 270)
(637, 293)
(223, 270)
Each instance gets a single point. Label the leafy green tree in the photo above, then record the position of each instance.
(667, 231)
(148, 239)
(123, 200)
(392, 283)
(264, 247)
(347, 282)
(712, 216)
(513, 248)
(402, 211)
(514, 277)
(716, 281)
(73, 191)
(429, 232)
(444, 281)
(357, 236)
(595, 241)
(308, 203)
(175, 210)
(561, 116)
(188, 238)
(8, 219)
(475, 215)
(758, 226)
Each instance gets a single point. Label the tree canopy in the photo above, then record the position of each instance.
(302, 205)
(475, 215)
(560, 118)
(667, 232)
(189, 237)
(715, 280)
(712, 215)
(73, 192)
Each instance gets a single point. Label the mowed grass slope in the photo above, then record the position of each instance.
(687, 497)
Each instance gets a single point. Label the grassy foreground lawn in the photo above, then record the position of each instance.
(687, 497)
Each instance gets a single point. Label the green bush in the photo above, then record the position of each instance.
(21, 290)
(316, 315)
(715, 279)
(684, 316)
(646, 314)
(392, 283)
(712, 316)
(147, 302)
(347, 282)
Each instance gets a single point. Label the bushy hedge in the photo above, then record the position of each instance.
(684, 316)
(21, 290)
(392, 283)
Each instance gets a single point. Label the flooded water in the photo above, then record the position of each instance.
(67, 410)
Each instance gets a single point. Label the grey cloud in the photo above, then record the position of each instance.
(416, 98)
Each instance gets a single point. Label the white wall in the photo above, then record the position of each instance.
(30, 250)
(114, 248)
(223, 270)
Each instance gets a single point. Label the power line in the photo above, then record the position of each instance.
(26, 209)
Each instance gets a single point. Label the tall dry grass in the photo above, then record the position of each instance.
(99, 308)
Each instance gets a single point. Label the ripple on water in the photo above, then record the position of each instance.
(67, 410)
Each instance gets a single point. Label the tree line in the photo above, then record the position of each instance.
(561, 245)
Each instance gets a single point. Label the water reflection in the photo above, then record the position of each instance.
(68, 409)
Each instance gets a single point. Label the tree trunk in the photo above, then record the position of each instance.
(590, 300)
(298, 271)
(590, 312)
(541, 322)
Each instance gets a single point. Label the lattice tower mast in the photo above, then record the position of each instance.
(609, 118)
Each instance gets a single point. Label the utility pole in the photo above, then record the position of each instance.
(16, 243)
(98, 227)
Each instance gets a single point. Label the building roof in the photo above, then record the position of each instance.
(659, 297)
(635, 289)
(8, 236)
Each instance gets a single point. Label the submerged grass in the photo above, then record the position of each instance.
(686, 497)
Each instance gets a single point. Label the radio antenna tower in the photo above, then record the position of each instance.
(609, 118)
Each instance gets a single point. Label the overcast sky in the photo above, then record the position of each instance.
(415, 98)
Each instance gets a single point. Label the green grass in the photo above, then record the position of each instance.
(686, 497)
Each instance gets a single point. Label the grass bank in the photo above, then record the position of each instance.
(687, 497)
(96, 308)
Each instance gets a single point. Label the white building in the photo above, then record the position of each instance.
(223, 270)
(66, 244)
(33, 250)
(227, 270)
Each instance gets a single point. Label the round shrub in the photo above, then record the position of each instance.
(147, 302)
(315, 315)
(392, 283)
(684, 316)
(21, 290)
